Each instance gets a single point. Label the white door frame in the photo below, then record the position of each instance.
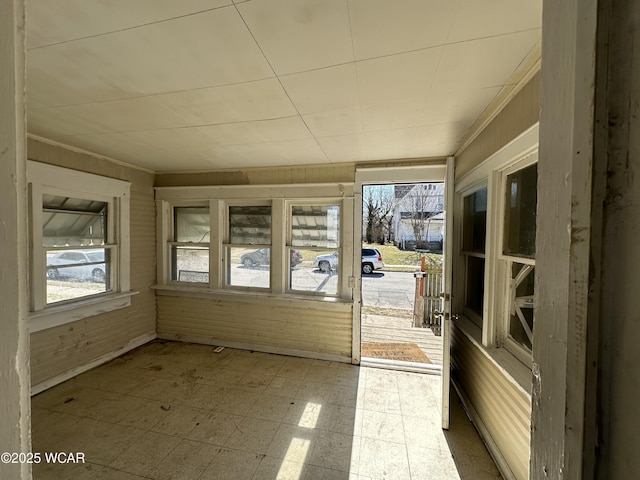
(433, 172)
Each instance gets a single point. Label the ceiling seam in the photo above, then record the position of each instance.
(128, 28)
(281, 85)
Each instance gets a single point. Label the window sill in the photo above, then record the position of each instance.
(59, 315)
(513, 369)
(285, 300)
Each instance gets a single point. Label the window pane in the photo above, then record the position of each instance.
(191, 224)
(190, 264)
(521, 308)
(73, 221)
(314, 271)
(474, 226)
(75, 274)
(475, 285)
(248, 267)
(520, 215)
(315, 226)
(250, 225)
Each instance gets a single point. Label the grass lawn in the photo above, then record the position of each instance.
(392, 255)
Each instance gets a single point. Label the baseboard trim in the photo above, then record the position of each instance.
(485, 435)
(135, 343)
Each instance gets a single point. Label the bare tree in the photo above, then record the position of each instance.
(378, 206)
(423, 205)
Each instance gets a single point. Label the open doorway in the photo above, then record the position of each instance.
(403, 227)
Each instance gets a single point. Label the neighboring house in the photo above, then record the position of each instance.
(418, 218)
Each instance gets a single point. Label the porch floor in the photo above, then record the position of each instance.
(171, 410)
(385, 328)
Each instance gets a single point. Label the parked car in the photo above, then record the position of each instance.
(371, 260)
(326, 263)
(78, 265)
(263, 257)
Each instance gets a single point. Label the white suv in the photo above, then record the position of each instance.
(371, 260)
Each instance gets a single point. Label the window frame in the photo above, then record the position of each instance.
(492, 335)
(50, 179)
(504, 263)
(279, 196)
(170, 242)
(227, 245)
(325, 202)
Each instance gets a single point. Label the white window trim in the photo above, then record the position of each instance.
(492, 172)
(220, 197)
(44, 178)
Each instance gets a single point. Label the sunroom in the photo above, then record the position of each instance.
(168, 163)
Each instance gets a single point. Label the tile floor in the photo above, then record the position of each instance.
(170, 410)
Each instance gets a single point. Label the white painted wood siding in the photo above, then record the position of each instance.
(300, 328)
(502, 409)
(69, 347)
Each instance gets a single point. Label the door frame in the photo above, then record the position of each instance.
(429, 172)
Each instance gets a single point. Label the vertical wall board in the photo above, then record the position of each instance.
(501, 406)
(295, 327)
(62, 349)
(617, 160)
(14, 340)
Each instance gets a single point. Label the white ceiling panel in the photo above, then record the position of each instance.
(212, 48)
(335, 122)
(278, 130)
(381, 27)
(488, 62)
(59, 21)
(205, 84)
(259, 100)
(300, 35)
(325, 89)
(397, 78)
(476, 19)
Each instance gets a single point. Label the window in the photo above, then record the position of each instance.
(474, 234)
(190, 244)
(313, 249)
(283, 241)
(518, 255)
(494, 281)
(79, 234)
(248, 246)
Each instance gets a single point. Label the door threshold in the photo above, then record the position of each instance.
(416, 367)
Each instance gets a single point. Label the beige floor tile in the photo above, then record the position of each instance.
(254, 382)
(180, 421)
(239, 363)
(294, 369)
(292, 443)
(270, 365)
(270, 407)
(208, 396)
(215, 428)
(109, 441)
(381, 401)
(472, 467)
(427, 464)
(378, 379)
(143, 456)
(339, 419)
(186, 462)
(320, 373)
(230, 464)
(425, 432)
(237, 402)
(147, 415)
(150, 387)
(383, 426)
(314, 392)
(252, 435)
(387, 460)
(272, 468)
(346, 396)
(284, 386)
(332, 450)
(320, 473)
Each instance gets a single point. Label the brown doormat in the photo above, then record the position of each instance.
(405, 352)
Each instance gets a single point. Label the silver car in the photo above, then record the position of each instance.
(77, 265)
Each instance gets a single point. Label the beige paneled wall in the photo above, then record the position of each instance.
(62, 349)
(294, 327)
(502, 407)
(520, 113)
